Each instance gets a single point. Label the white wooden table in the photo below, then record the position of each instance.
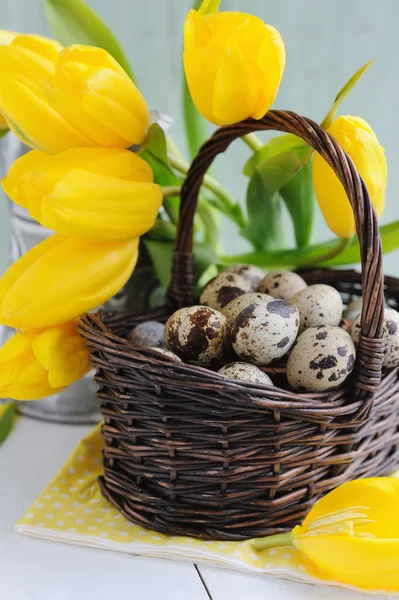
(32, 569)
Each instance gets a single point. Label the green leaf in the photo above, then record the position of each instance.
(278, 145)
(195, 124)
(349, 85)
(6, 420)
(73, 22)
(3, 132)
(161, 254)
(154, 151)
(264, 215)
(299, 200)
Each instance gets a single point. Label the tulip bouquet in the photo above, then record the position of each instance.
(101, 176)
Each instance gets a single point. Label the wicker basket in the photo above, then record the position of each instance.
(189, 452)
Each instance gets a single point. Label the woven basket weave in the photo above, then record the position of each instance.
(189, 452)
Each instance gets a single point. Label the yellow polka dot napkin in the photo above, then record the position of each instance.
(73, 510)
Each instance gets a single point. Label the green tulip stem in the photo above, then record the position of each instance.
(229, 203)
(273, 541)
(171, 190)
(252, 140)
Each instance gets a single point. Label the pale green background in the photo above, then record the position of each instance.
(326, 42)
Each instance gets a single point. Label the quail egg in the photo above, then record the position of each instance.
(318, 304)
(223, 289)
(265, 332)
(321, 359)
(233, 308)
(245, 372)
(199, 335)
(281, 284)
(168, 353)
(390, 334)
(250, 272)
(353, 309)
(149, 334)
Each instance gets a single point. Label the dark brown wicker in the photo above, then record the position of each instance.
(190, 452)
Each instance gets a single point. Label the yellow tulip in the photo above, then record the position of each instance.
(357, 138)
(62, 278)
(26, 70)
(352, 534)
(100, 194)
(35, 364)
(233, 64)
(98, 98)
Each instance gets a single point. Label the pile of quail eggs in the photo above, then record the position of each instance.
(247, 320)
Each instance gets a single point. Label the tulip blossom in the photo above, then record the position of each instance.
(39, 363)
(26, 71)
(356, 137)
(61, 278)
(233, 64)
(98, 98)
(352, 534)
(99, 194)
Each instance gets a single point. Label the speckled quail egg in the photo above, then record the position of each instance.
(318, 304)
(233, 308)
(223, 289)
(199, 335)
(281, 284)
(168, 353)
(250, 272)
(245, 372)
(390, 334)
(265, 332)
(321, 359)
(353, 309)
(149, 334)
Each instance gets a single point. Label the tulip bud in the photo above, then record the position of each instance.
(61, 278)
(98, 98)
(26, 70)
(356, 137)
(233, 64)
(39, 363)
(99, 194)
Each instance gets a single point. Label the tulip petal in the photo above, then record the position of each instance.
(66, 278)
(22, 165)
(23, 264)
(201, 66)
(69, 106)
(364, 563)
(89, 56)
(115, 100)
(24, 379)
(33, 120)
(16, 346)
(100, 208)
(236, 93)
(63, 353)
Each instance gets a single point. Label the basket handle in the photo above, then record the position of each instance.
(181, 291)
